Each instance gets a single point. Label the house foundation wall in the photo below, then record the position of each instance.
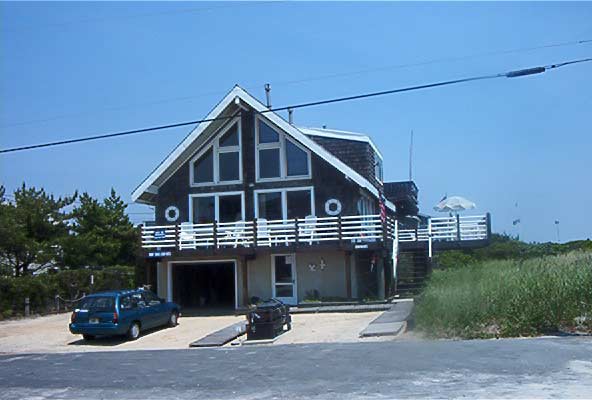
(336, 275)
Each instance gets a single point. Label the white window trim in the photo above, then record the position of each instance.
(216, 196)
(216, 150)
(367, 204)
(284, 192)
(379, 169)
(281, 145)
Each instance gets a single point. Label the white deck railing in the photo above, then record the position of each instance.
(309, 231)
(448, 229)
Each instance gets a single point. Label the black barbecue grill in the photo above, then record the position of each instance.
(267, 319)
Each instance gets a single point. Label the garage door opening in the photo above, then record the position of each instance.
(204, 285)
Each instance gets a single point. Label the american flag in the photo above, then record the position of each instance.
(381, 204)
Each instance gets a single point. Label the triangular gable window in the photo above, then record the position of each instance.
(221, 161)
(279, 157)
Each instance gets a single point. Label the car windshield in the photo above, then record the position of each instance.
(98, 303)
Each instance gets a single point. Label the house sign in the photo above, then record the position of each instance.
(158, 254)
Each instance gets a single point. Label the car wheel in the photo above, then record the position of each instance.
(134, 331)
(88, 337)
(174, 319)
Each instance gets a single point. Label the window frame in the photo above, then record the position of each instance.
(368, 203)
(284, 197)
(281, 145)
(216, 151)
(216, 196)
(378, 168)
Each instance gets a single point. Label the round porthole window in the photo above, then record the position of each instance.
(171, 214)
(333, 207)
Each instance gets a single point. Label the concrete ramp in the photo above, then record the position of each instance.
(221, 337)
(391, 322)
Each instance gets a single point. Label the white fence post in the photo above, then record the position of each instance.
(430, 238)
(27, 307)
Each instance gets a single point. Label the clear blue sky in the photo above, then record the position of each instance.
(73, 69)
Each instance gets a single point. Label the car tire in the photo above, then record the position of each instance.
(88, 337)
(134, 331)
(173, 319)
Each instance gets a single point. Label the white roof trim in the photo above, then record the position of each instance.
(274, 118)
(308, 142)
(148, 183)
(344, 135)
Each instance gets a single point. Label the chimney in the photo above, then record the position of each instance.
(268, 94)
(290, 116)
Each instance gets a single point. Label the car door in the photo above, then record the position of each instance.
(155, 310)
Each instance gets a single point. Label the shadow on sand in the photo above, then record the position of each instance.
(112, 341)
(209, 312)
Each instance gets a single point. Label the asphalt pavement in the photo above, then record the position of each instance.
(512, 368)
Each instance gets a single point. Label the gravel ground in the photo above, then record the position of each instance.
(49, 334)
(327, 328)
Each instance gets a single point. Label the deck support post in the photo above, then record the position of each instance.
(215, 232)
(245, 281)
(348, 272)
(340, 231)
(296, 232)
(255, 232)
(457, 227)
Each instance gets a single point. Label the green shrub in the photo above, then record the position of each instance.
(508, 298)
(70, 284)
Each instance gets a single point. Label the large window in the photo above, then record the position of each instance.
(366, 205)
(378, 167)
(289, 203)
(220, 162)
(221, 207)
(278, 156)
(203, 167)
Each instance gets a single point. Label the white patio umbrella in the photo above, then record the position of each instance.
(454, 203)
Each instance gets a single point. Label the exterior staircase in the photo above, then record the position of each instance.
(413, 268)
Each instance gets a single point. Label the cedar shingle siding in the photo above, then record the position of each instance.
(328, 181)
(358, 155)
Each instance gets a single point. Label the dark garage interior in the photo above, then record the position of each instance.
(204, 285)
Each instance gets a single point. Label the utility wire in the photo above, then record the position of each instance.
(302, 80)
(509, 74)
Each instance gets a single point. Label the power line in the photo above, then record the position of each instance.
(304, 80)
(509, 74)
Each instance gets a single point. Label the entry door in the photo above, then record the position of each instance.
(283, 275)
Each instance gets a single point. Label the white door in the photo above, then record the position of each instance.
(283, 277)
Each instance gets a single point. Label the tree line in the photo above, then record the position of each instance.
(39, 230)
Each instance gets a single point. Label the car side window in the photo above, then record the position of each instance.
(151, 299)
(125, 303)
(138, 300)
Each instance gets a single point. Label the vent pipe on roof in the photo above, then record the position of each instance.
(290, 116)
(268, 94)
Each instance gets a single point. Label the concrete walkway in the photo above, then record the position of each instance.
(391, 322)
(340, 308)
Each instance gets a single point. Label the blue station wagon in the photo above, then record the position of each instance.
(123, 312)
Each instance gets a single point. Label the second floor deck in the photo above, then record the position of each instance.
(343, 232)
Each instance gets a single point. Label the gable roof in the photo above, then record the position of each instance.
(343, 135)
(191, 144)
